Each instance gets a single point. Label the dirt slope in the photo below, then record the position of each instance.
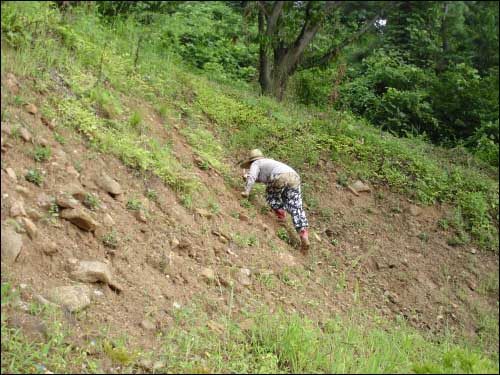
(384, 253)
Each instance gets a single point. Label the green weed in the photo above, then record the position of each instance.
(92, 201)
(34, 176)
(42, 153)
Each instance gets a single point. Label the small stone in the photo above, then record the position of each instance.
(158, 365)
(91, 272)
(23, 190)
(12, 244)
(415, 210)
(30, 227)
(208, 275)
(176, 305)
(204, 213)
(174, 242)
(25, 134)
(108, 220)
(98, 293)
(11, 174)
(473, 251)
(49, 123)
(17, 209)
(148, 325)
(12, 84)
(140, 216)
(33, 214)
(76, 191)
(31, 108)
(43, 142)
(359, 186)
(44, 201)
(244, 277)
(244, 217)
(246, 325)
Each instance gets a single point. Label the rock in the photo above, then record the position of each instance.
(25, 134)
(17, 209)
(30, 227)
(244, 277)
(43, 142)
(73, 297)
(471, 284)
(42, 300)
(146, 364)
(80, 218)
(12, 84)
(48, 247)
(12, 244)
(415, 210)
(359, 187)
(208, 275)
(91, 272)
(174, 242)
(11, 174)
(204, 213)
(148, 325)
(33, 328)
(318, 238)
(23, 190)
(140, 216)
(108, 184)
(108, 220)
(31, 108)
(48, 123)
(33, 214)
(67, 201)
(473, 251)
(44, 201)
(391, 297)
(76, 191)
(158, 365)
(244, 217)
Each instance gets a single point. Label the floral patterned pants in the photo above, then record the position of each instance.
(283, 192)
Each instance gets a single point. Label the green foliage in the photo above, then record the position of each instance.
(92, 201)
(135, 120)
(42, 153)
(152, 194)
(35, 176)
(134, 204)
(283, 234)
(110, 240)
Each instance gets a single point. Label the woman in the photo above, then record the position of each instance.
(282, 190)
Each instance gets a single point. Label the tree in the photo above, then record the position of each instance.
(287, 30)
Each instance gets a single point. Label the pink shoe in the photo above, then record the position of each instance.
(280, 213)
(304, 239)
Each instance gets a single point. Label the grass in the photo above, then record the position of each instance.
(35, 176)
(91, 201)
(42, 153)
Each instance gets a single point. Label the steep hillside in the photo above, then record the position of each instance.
(129, 193)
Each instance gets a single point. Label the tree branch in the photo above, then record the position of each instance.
(331, 54)
(272, 19)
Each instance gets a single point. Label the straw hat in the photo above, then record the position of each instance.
(255, 154)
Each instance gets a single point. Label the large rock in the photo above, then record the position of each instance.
(12, 244)
(76, 191)
(80, 218)
(11, 174)
(108, 184)
(25, 134)
(30, 227)
(244, 277)
(17, 209)
(73, 297)
(67, 201)
(359, 187)
(91, 272)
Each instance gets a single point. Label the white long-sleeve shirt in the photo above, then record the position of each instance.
(261, 170)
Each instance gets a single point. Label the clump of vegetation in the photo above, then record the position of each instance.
(134, 204)
(42, 153)
(152, 194)
(91, 201)
(110, 240)
(34, 176)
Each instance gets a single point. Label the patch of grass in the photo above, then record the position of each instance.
(135, 120)
(59, 138)
(283, 235)
(91, 201)
(35, 176)
(246, 203)
(152, 195)
(42, 153)
(134, 204)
